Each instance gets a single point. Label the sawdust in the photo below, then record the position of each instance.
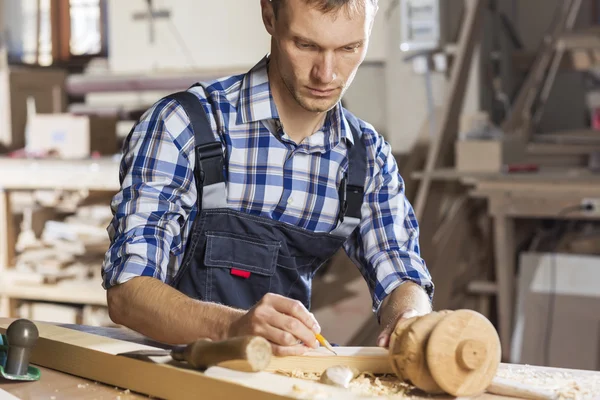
(567, 385)
(366, 384)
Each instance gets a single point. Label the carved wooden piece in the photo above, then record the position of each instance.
(463, 353)
(454, 352)
(412, 355)
(396, 345)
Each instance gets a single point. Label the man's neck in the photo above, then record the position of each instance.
(298, 123)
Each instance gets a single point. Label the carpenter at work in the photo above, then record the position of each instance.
(235, 191)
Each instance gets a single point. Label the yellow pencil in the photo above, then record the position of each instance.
(325, 343)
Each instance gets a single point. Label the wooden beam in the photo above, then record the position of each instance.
(60, 23)
(7, 243)
(504, 231)
(448, 125)
(98, 174)
(536, 78)
(372, 359)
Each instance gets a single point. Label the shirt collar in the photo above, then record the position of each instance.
(256, 104)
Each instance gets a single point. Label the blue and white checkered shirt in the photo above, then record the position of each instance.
(268, 175)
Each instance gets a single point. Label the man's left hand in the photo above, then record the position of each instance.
(406, 301)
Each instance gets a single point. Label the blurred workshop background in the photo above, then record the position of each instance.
(492, 109)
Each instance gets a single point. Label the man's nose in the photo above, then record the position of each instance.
(324, 70)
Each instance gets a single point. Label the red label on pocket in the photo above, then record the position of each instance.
(239, 272)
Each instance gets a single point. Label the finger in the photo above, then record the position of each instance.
(409, 314)
(289, 350)
(295, 327)
(384, 338)
(297, 310)
(277, 336)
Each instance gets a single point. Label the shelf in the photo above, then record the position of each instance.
(32, 174)
(64, 292)
(81, 84)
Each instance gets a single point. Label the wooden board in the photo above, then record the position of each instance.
(94, 357)
(372, 359)
(441, 148)
(66, 387)
(7, 396)
(99, 174)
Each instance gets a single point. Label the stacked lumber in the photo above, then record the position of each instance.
(67, 248)
(60, 249)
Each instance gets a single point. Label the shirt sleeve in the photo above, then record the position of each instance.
(155, 199)
(385, 247)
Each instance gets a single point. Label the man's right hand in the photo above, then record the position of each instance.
(282, 321)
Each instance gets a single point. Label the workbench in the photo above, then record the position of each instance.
(57, 385)
(549, 193)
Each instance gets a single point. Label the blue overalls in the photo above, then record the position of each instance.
(234, 258)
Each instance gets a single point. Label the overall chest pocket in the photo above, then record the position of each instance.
(240, 268)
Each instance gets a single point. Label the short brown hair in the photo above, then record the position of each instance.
(322, 5)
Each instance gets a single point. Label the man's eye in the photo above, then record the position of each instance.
(304, 45)
(351, 49)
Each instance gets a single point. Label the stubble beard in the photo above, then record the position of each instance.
(324, 106)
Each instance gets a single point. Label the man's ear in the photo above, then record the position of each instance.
(268, 16)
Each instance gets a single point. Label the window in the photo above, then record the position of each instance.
(47, 32)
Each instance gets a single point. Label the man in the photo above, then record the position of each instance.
(232, 198)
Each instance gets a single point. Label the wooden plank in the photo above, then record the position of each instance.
(7, 396)
(8, 240)
(558, 187)
(66, 387)
(551, 73)
(579, 41)
(539, 207)
(504, 252)
(65, 292)
(521, 108)
(447, 128)
(94, 357)
(6, 132)
(98, 174)
(372, 359)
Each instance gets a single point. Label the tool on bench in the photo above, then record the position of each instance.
(246, 353)
(454, 352)
(15, 351)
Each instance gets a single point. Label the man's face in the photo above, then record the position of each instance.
(317, 54)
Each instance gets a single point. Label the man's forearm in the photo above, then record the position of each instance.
(162, 313)
(407, 296)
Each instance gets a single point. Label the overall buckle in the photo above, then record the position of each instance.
(209, 158)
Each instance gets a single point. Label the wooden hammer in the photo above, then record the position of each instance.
(246, 353)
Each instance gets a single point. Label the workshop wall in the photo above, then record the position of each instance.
(387, 91)
(198, 34)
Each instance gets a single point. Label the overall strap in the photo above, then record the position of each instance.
(208, 171)
(351, 191)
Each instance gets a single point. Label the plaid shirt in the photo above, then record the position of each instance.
(268, 175)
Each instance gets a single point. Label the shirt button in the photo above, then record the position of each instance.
(290, 200)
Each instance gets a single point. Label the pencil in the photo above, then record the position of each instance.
(325, 343)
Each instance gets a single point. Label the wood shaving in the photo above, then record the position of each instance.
(366, 384)
(567, 385)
